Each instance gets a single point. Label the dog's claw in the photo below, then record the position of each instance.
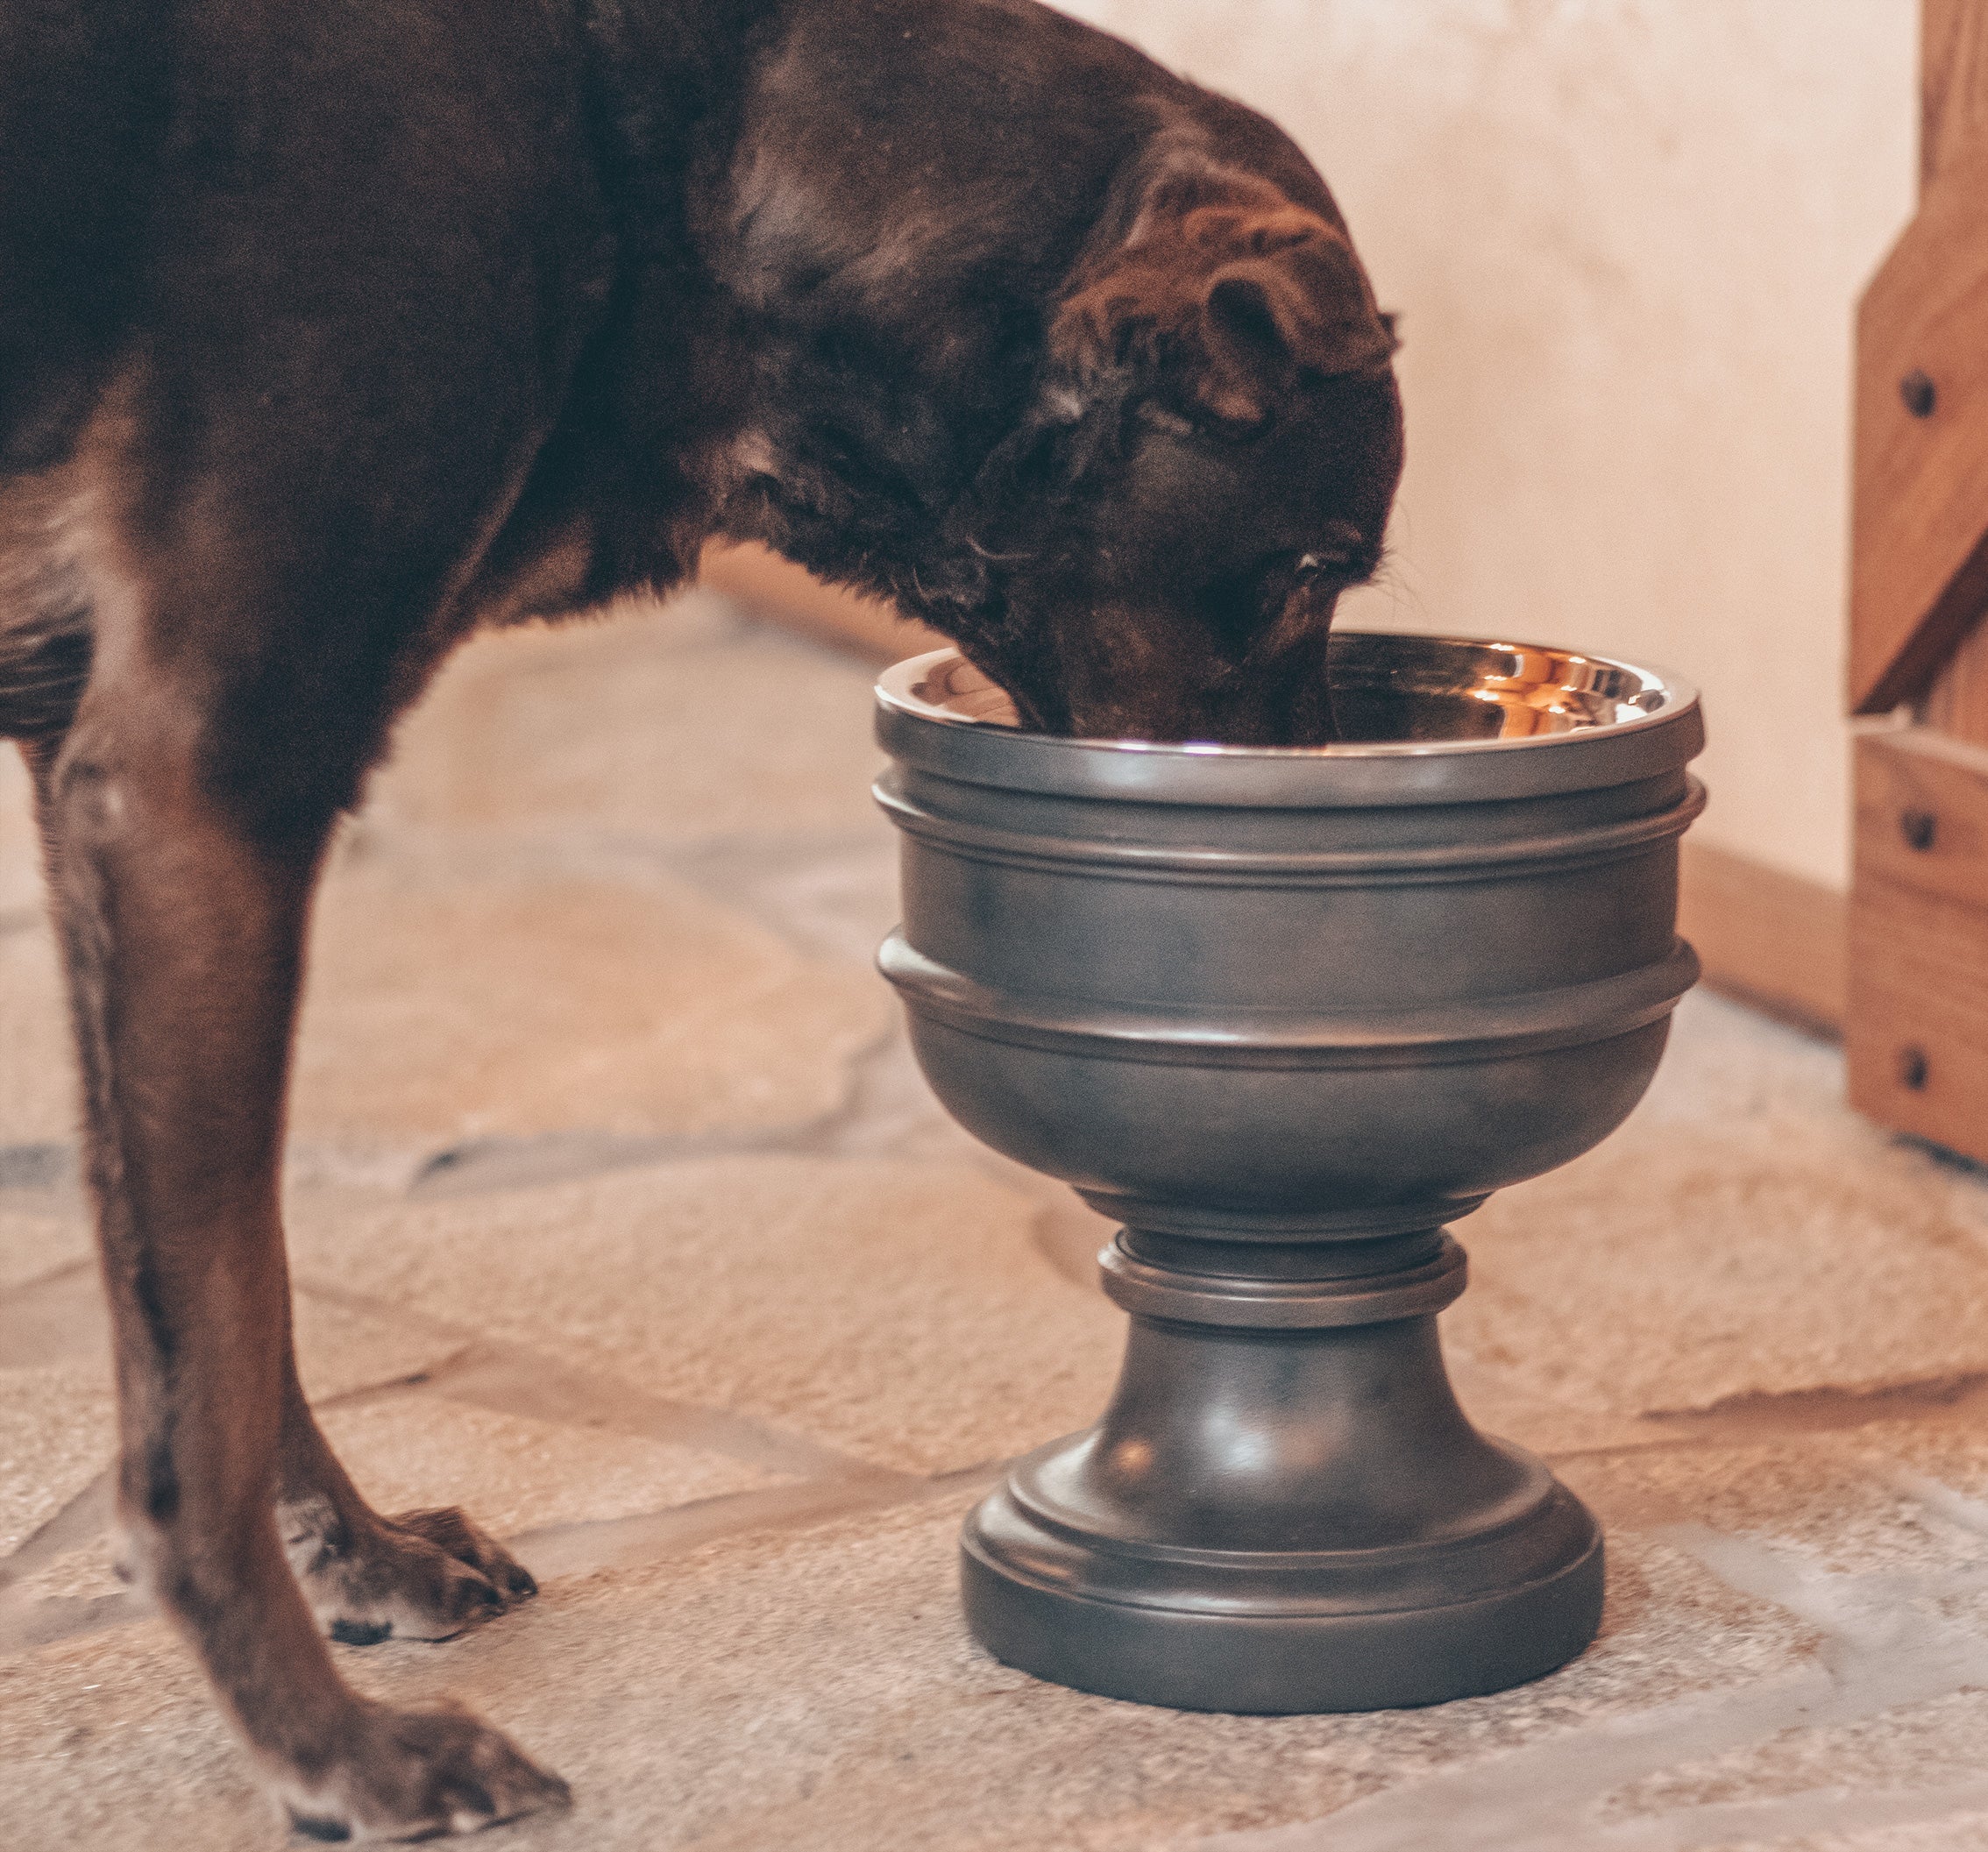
(456, 1533)
(425, 1575)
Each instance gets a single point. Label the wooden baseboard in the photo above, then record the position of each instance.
(1775, 940)
(1771, 940)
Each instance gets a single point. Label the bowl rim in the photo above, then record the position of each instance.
(896, 686)
(928, 740)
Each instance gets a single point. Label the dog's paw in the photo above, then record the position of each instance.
(424, 1575)
(405, 1775)
(463, 1540)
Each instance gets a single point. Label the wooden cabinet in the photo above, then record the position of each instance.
(1917, 1019)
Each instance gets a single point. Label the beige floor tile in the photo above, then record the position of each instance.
(676, 723)
(1810, 1777)
(512, 1474)
(57, 1424)
(1742, 1235)
(442, 1006)
(340, 1351)
(1962, 1832)
(64, 1321)
(404, 1449)
(1831, 1499)
(868, 1719)
(57, 1433)
(819, 1692)
(1873, 1535)
(88, 1572)
(38, 1086)
(899, 1310)
(1872, 1720)
(36, 1241)
(503, 954)
(110, 1739)
(20, 848)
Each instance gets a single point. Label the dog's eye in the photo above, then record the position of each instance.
(1345, 557)
(1311, 567)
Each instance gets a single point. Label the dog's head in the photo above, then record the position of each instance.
(1208, 461)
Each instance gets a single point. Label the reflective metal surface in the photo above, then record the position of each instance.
(1475, 722)
(1391, 688)
(1284, 1014)
(1389, 691)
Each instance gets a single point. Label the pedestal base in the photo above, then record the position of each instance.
(1257, 1632)
(1283, 1508)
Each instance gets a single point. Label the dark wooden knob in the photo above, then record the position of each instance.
(1919, 827)
(1919, 395)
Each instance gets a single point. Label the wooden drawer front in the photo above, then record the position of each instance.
(1917, 1037)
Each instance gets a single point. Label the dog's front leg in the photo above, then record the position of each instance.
(183, 928)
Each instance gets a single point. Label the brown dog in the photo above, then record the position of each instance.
(326, 334)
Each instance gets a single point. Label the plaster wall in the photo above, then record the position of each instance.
(1625, 239)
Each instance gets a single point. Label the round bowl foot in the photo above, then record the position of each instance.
(1301, 1630)
(1283, 1508)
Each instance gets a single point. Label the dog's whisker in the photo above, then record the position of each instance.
(998, 559)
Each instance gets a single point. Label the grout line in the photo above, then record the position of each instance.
(482, 1165)
(1827, 1408)
(80, 1519)
(25, 1625)
(588, 1548)
(50, 1167)
(1795, 1429)
(1829, 1812)
(743, 874)
(37, 1282)
(57, 1317)
(512, 1378)
(1943, 1500)
(1878, 1656)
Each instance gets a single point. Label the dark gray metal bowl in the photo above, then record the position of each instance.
(1284, 1013)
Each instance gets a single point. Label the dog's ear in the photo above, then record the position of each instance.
(1303, 307)
(1231, 292)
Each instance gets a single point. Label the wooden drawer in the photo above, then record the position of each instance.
(1917, 1038)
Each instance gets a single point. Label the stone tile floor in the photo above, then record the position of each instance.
(619, 1214)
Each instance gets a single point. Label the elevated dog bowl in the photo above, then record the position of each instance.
(1284, 1014)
